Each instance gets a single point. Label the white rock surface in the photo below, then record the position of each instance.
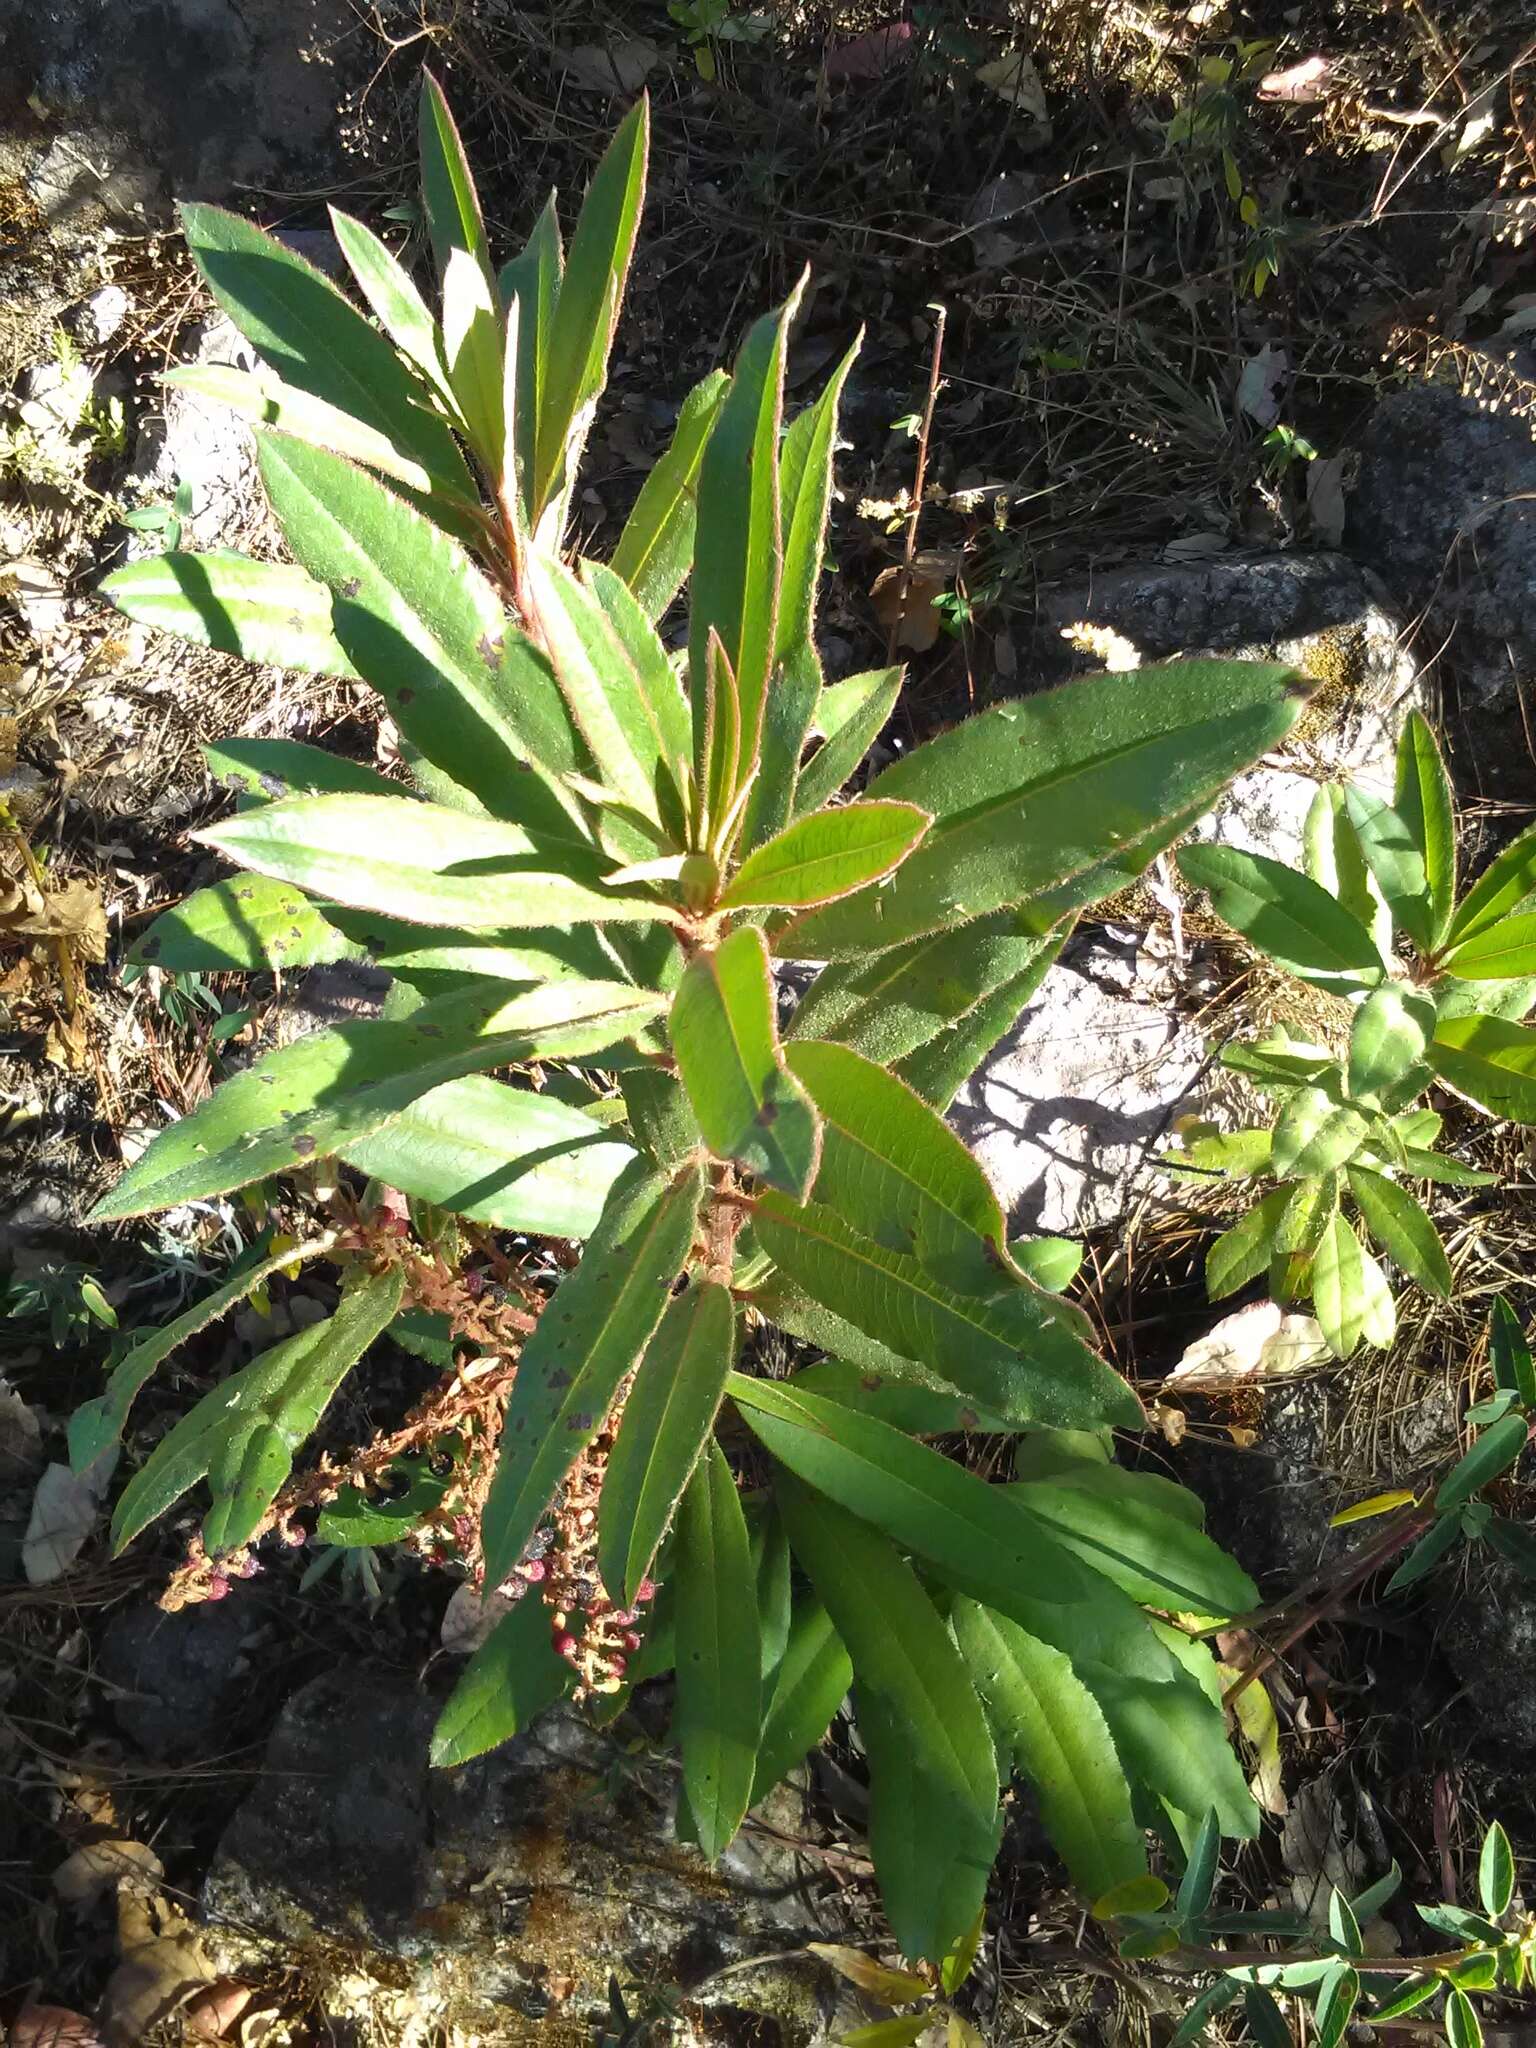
(190, 440)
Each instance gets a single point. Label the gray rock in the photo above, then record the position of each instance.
(96, 319)
(1445, 511)
(511, 1888)
(1488, 1633)
(176, 1677)
(188, 439)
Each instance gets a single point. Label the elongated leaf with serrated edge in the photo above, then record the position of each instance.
(396, 303)
(1060, 1742)
(314, 1098)
(1160, 1559)
(306, 331)
(1331, 856)
(749, 1106)
(1350, 1295)
(1285, 914)
(587, 309)
(498, 1155)
(98, 1423)
(451, 203)
(655, 549)
(1491, 1061)
(531, 283)
(666, 708)
(904, 1660)
(718, 1712)
(1015, 1355)
(1172, 1738)
(1423, 800)
(827, 856)
(594, 1330)
(911, 1400)
(473, 351)
(1032, 796)
(286, 1390)
(246, 924)
(940, 1067)
(509, 1681)
(830, 767)
(809, 1684)
(424, 863)
(1401, 1228)
(266, 612)
(895, 1170)
(667, 1420)
(416, 617)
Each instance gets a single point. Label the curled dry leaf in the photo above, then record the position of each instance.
(878, 1980)
(1259, 1342)
(52, 2026)
(618, 68)
(65, 1509)
(904, 605)
(872, 54)
(1261, 383)
(1300, 85)
(90, 1872)
(163, 1967)
(212, 2013)
(1013, 78)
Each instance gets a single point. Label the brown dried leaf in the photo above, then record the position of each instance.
(163, 1967)
(212, 2013)
(904, 605)
(83, 1878)
(52, 2026)
(879, 1980)
(874, 53)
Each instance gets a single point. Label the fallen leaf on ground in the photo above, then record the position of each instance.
(1299, 85)
(872, 54)
(1261, 383)
(65, 1509)
(618, 68)
(52, 2026)
(1325, 498)
(162, 1968)
(90, 1872)
(904, 605)
(212, 2013)
(40, 596)
(1259, 1342)
(1013, 78)
(73, 912)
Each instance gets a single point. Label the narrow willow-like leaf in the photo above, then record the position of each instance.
(510, 1680)
(269, 613)
(1058, 1738)
(1504, 887)
(667, 1420)
(1242, 1253)
(810, 1682)
(1510, 1353)
(417, 617)
(1160, 1558)
(894, 1169)
(655, 549)
(1286, 915)
(1500, 952)
(392, 295)
(246, 924)
(305, 330)
(850, 739)
(911, 1399)
(531, 284)
(941, 1066)
(828, 855)
(1396, 860)
(595, 1328)
(1350, 1295)
(1332, 858)
(269, 769)
(586, 312)
(424, 863)
(1494, 1451)
(451, 203)
(656, 676)
(473, 352)
(748, 1105)
(1490, 1061)
(498, 1155)
(932, 1857)
(1402, 1229)
(324, 1093)
(1172, 1738)
(1424, 802)
(1017, 1356)
(1033, 797)
(285, 1392)
(718, 1712)
(97, 1424)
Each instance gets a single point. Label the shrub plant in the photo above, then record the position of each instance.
(605, 846)
(1439, 986)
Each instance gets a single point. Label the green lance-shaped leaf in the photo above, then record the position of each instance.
(311, 335)
(451, 203)
(851, 725)
(809, 1684)
(1424, 802)
(1159, 1557)
(587, 308)
(718, 1711)
(1510, 1354)
(933, 1853)
(325, 1093)
(1496, 1873)
(735, 588)
(265, 401)
(1396, 860)
(1504, 887)
(1242, 1253)
(356, 1521)
(1389, 1035)
(1170, 1736)
(902, 1394)
(98, 1423)
(510, 1680)
(941, 1066)
(794, 687)
(749, 1106)
(473, 351)
(895, 1170)
(1016, 1353)
(394, 299)
(655, 550)
(1401, 1227)
(1315, 1132)
(1332, 858)
(1051, 1726)
(418, 619)
(831, 854)
(279, 1398)
(1490, 1061)
(498, 1155)
(656, 677)
(269, 769)
(1350, 1295)
(245, 924)
(266, 612)
(1494, 1450)
(425, 863)
(1505, 951)
(773, 1578)
(597, 1324)
(667, 1420)
(1286, 915)
(530, 283)
(1046, 794)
